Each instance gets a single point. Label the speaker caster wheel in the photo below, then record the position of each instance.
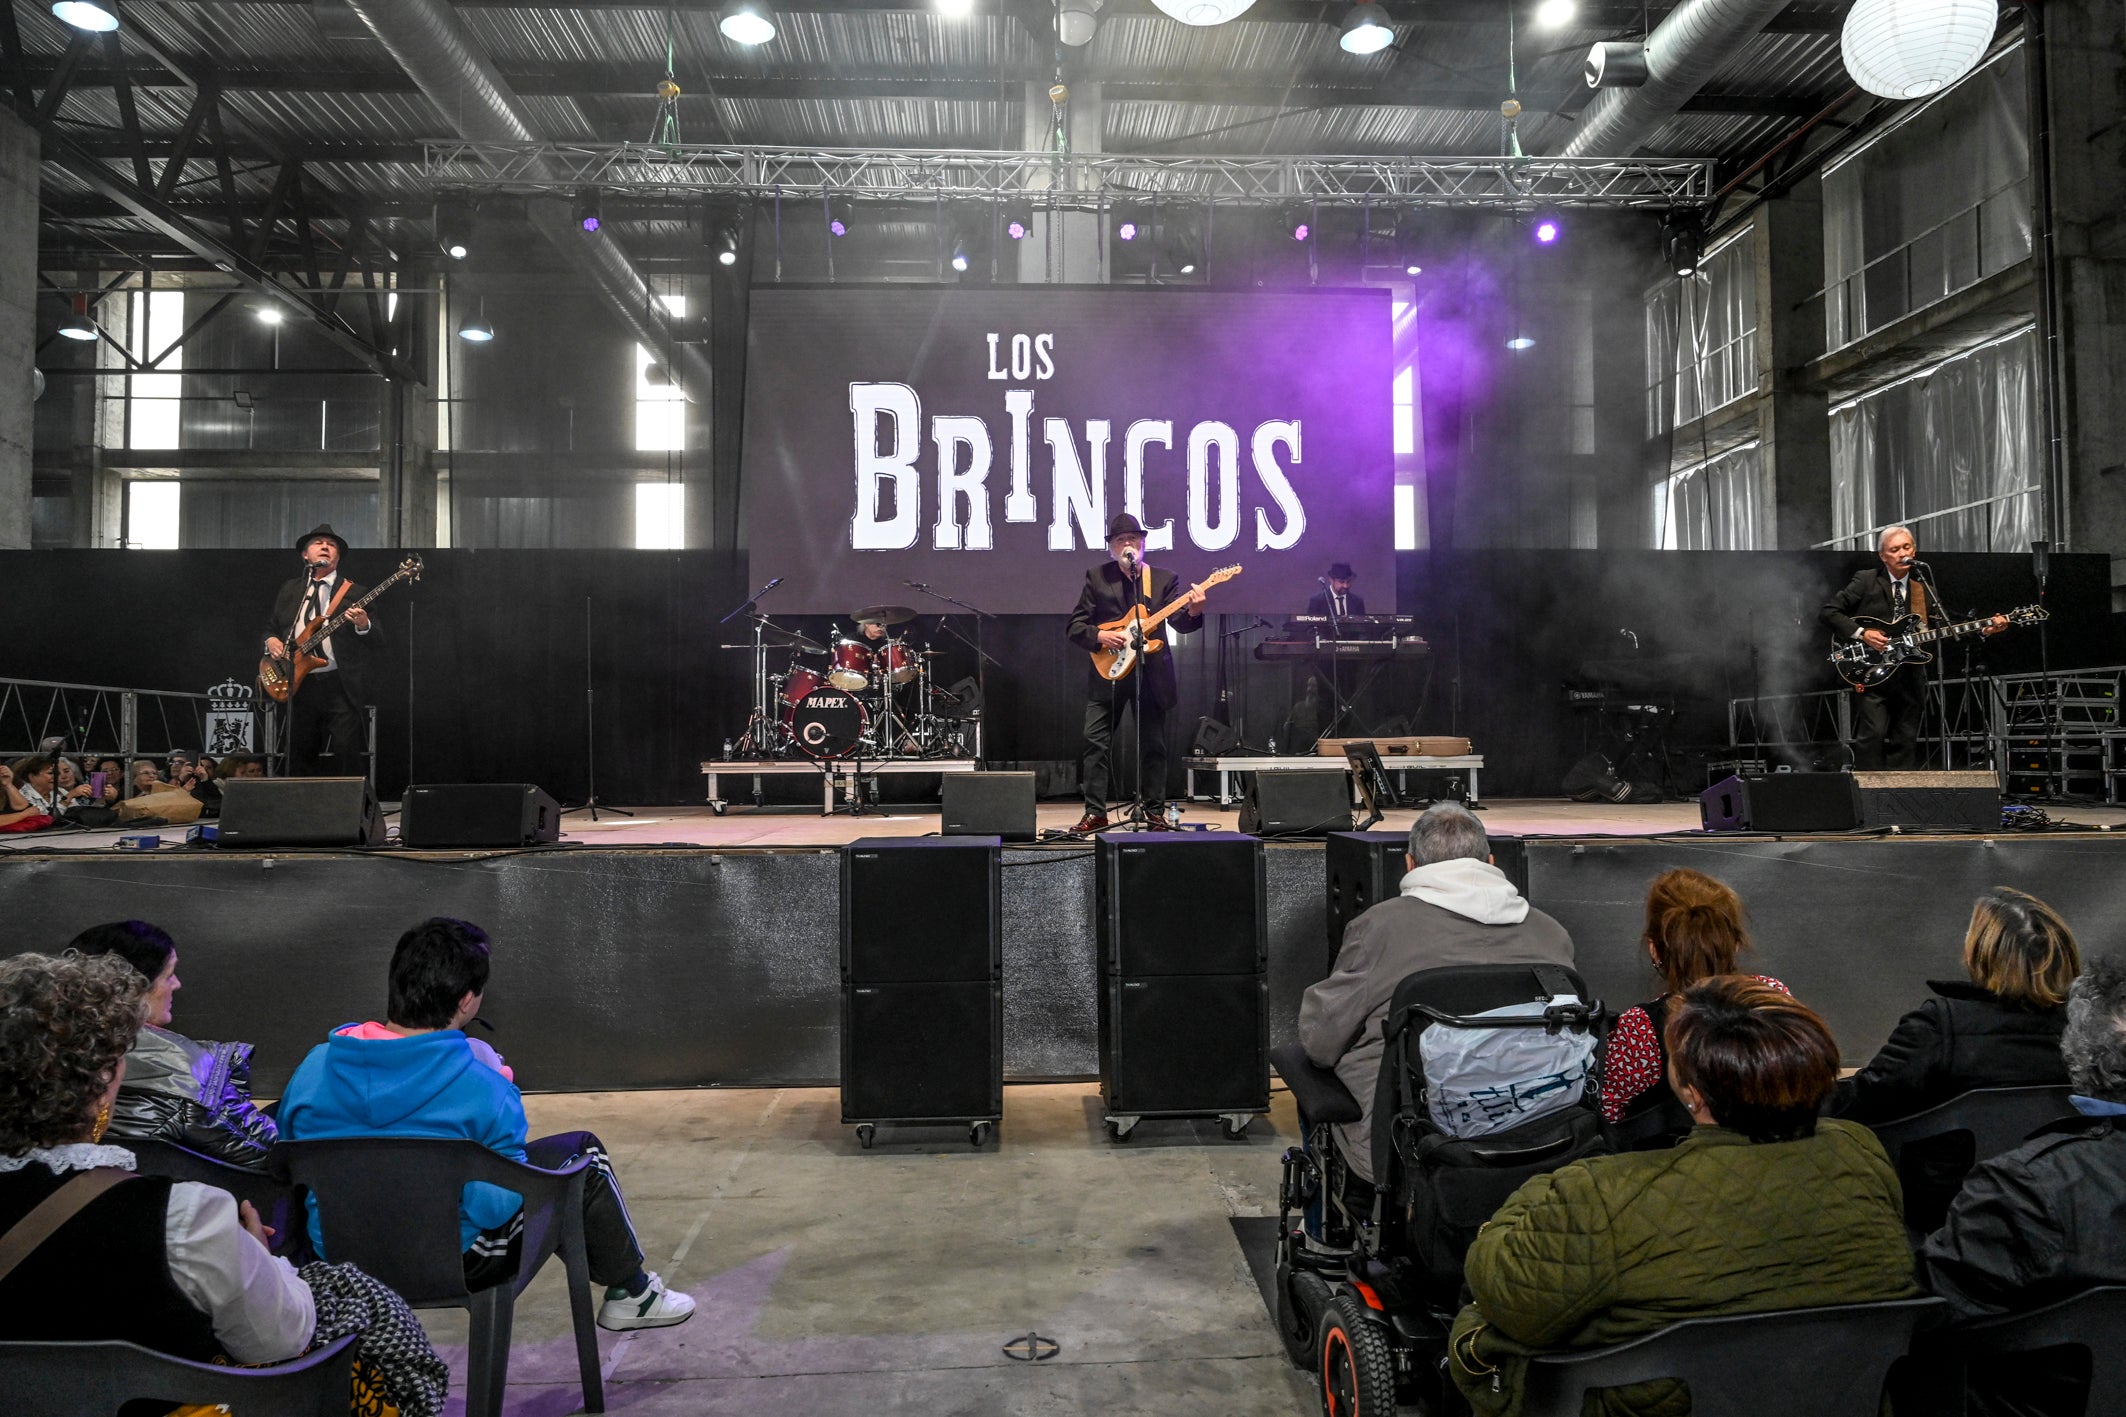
(1120, 1127)
(865, 1134)
(977, 1133)
(1236, 1125)
(719, 808)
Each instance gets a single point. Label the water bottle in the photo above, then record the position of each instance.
(727, 747)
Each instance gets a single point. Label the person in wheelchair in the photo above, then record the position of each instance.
(1762, 1207)
(1453, 908)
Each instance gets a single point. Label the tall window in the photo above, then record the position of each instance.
(1723, 503)
(151, 515)
(1701, 337)
(157, 318)
(660, 406)
(660, 516)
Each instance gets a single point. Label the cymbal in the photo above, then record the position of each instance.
(884, 615)
(777, 635)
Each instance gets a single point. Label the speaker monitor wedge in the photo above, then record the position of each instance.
(1297, 804)
(447, 814)
(1783, 802)
(999, 804)
(299, 811)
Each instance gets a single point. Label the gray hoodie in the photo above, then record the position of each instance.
(1462, 911)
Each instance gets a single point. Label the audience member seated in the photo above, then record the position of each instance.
(36, 776)
(418, 1075)
(17, 812)
(240, 765)
(177, 1089)
(2042, 1222)
(113, 770)
(1762, 1207)
(170, 1265)
(196, 776)
(1695, 929)
(145, 778)
(1999, 1028)
(1454, 907)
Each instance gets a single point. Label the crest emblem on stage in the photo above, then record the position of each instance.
(232, 727)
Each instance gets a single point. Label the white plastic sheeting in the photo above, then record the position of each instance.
(1725, 503)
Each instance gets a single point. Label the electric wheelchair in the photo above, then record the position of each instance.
(1369, 1277)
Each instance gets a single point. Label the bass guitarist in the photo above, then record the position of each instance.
(1886, 718)
(328, 703)
(1140, 701)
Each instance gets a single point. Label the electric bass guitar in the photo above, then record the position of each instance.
(280, 676)
(1864, 668)
(1115, 664)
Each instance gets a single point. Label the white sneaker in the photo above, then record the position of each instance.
(654, 1307)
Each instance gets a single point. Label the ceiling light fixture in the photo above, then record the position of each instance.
(1365, 30)
(1204, 12)
(1911, 48)
(78, 325)
(746, 22)
(87, 15)
(1520, 342)
(270, 314)
(1555, 14)
(476, 330)
(1546, 230)
(1076, 23)
(955, 9)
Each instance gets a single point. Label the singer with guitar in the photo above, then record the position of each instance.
(1886, 717)
(327, 704)
(1142, 697)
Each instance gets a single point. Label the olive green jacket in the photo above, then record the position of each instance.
(1613, 1247)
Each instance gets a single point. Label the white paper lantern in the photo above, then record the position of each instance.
(1204, 12)
(1911, 48)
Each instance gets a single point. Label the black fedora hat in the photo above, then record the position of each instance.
(1341, 571)
(1124, 525)
(322, 530)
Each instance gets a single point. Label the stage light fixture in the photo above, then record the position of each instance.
(475, 329)
(1126, 231)
(454, 228)
(588, 211)
(955, 9)
(1520, 342)
(1683, 241)
(841, 216)
(78, 325)
(1188, 268)
(959, 255)
(1555, 14)
(724, 233)
(1366, 30)
(269, 314)
(87, 15)
(1016, 220)
(746, 22)
(1299, 221)
(1546, 230)
(1076, 23)
(1016, 229)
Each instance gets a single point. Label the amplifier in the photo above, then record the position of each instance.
(1948, 801)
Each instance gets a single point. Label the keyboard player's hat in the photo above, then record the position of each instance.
(1341, 571)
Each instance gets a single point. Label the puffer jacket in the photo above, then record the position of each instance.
(196, 1094)
(1613, 1247)
(1964, 1037)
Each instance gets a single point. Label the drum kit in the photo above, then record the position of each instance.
(870, 697)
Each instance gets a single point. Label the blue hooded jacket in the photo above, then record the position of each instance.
(429, 1085)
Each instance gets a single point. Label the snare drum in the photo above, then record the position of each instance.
(852, 666)
(829, 723)
(799, 682)
(900, 661)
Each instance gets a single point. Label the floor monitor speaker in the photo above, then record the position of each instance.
(1784, 802)
(999, 804)
(299, 811)
(1293, 804)
(478, 814)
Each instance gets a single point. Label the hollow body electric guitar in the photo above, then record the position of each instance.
(1115, 664)
(281, 676)
(1864, 668)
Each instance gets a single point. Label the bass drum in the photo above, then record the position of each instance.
(827, 723)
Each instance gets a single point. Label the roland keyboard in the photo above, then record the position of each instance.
(1397, 647)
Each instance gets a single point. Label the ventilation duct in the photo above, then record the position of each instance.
(439, 54)
(1682, 53)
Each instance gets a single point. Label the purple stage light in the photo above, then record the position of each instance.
(1301, 232)
(838, 227)
(590, 223)
(1127, 231)
(1016, 231)
(1546, 231)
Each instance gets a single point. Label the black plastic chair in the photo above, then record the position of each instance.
(2095, 1319)
(390, 1205)
(96, 1379)
(1997, 1119)
(1828, 1362)
(278, 1203)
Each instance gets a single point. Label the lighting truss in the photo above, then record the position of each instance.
(1083, 181)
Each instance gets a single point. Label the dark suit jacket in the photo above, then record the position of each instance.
(1107, 595)
(349, 650)
(1354, 603)
(1867, 594)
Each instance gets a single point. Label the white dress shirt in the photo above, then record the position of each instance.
(317, 598)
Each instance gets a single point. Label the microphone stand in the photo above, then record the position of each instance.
(982, 661)
(759, 727)
(1139, 814)
(1336, 686)
(590, 726)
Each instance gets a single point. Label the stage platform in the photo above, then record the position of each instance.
(677, 948)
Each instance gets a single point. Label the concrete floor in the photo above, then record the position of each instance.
(836, 1280)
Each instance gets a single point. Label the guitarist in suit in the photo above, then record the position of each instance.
(1886, 718)
(328, 705)
(1151, 689)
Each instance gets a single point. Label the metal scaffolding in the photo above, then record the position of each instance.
(1081, 181)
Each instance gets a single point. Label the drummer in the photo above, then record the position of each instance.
(873, 630)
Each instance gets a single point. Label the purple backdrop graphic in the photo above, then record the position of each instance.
(979, 440)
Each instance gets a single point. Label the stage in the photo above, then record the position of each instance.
(677, 948)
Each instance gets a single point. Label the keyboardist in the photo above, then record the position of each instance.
(1335, 597)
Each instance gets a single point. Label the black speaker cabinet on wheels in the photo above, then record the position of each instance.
(299, 811)
(922, 983)
(1184, 980)
(1366, 868)
(477, 814)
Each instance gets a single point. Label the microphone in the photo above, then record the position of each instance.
(1129, 559)
(772, 584)
(915, 585)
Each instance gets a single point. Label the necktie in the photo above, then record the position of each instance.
(1900, 600)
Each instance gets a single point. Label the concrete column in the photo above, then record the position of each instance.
(1793, 422)
(408, 464)
(18, 324)
(1065, 248)
(2085, 54)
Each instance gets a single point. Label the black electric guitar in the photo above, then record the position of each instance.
(281, 677)
(1864, 668)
